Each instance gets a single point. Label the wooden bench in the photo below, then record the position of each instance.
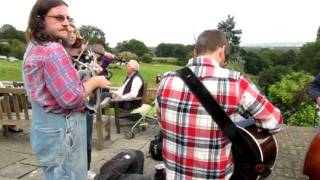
(12, 112)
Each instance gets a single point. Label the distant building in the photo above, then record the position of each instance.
(12, 59)
(3, 57)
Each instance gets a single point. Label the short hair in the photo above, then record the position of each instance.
(36, 29)
(133, 64)
(210, 41)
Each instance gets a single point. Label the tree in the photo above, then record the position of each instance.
(318, 35)
(94, 35)
(254, 63)
(309, 58)
(134, 46)
(272, 75)
(232, 35)
(9, 32)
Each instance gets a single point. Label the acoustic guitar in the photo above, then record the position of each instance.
(264, 144)
(312, 161)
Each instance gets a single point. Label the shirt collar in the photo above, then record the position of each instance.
(202, 61)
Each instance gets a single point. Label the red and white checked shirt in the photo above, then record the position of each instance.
(193, 145)
(50, 78)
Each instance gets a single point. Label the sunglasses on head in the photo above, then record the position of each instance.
(61, 18)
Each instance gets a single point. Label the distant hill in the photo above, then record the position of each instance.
(278, 46)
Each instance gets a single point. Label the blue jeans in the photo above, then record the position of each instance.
(59, 144)
(89, 137)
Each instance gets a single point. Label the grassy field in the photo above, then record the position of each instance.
(12, 72)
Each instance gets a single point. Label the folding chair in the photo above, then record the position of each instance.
(142, 121)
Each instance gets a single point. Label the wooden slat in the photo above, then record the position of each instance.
(7, 108)
(24, 102)
(9, 122)
(12, 90)
(19, 100)
(16, 105)
(1, 111)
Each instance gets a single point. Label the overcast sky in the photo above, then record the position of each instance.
(177, 21)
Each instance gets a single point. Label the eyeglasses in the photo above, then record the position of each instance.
(61, 18)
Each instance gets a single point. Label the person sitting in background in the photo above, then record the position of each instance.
(131, 88)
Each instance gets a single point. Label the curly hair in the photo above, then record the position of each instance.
(36, 29)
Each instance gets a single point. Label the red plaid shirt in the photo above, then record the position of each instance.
(193, 145)
(50, 78)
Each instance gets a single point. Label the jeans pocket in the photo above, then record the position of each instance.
(47, 144)
(72, 134)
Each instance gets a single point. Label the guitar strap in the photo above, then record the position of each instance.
(223, 121)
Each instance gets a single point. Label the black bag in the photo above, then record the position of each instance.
(125, 165)
(155, 148)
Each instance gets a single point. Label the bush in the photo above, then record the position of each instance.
(146, 58)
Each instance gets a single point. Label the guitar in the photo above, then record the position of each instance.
(312, 161)
(264, 144)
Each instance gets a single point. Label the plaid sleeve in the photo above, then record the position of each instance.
(62, 79)
(252, 102)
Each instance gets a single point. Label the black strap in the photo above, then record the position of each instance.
(221, 118)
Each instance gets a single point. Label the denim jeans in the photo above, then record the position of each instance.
(89, 137)
(59, 143)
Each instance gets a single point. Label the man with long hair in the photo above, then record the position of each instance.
(58, 129)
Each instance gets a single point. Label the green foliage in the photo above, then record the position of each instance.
(305, 117)
(254, 63)
(235, 65)
(133, 45)
(272, 75)
(232, 35)
(290, 95)
(9, 32)
(17, 48)
(126, 55)
(146, 58)
(165, 60)
(179, 51)
(94, 35)
(309, 58)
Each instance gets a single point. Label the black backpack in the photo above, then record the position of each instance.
(155, 148)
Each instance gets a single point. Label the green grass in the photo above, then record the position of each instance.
(13, 72)
(10, 71)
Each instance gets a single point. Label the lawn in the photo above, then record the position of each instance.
(12, 72)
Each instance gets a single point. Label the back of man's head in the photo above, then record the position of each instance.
(133, 64)
(209, 41)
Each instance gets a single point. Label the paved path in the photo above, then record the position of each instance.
(17, 161)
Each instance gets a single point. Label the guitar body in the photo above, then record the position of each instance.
(312, 161)
(264, 144)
